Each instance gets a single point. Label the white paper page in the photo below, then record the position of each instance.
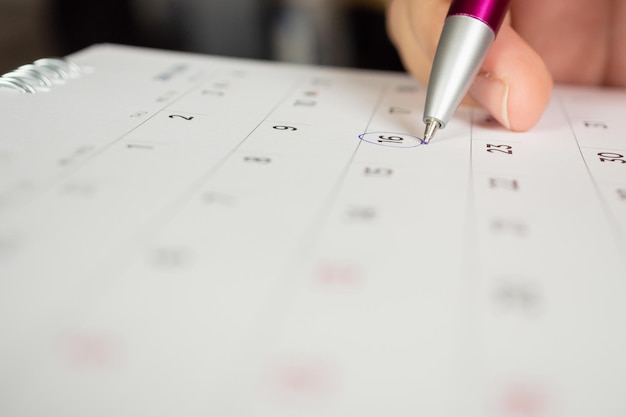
(191, 235)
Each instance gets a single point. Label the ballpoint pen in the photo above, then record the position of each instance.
(469, 30)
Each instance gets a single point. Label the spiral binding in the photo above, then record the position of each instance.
(40, 75)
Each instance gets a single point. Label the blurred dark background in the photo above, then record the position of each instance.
(328, 32)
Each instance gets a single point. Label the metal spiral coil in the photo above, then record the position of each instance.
(40, 75)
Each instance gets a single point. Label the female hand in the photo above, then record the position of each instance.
(568, 41)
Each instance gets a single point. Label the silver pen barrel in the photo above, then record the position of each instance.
(462, 48)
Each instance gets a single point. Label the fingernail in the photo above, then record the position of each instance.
(493, 94)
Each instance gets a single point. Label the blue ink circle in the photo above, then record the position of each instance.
(391, 140)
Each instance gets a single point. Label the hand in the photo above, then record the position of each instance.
(568, 41)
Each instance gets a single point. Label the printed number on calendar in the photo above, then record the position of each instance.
(506, 149)
(611, 157)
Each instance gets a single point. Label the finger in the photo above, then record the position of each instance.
(616, 72)
(574, 38)
(414, 27)
(513, 84)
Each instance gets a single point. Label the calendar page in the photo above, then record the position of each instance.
(185, 235)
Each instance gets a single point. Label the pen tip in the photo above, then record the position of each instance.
(431, 127)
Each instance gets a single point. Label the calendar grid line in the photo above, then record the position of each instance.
(317, 223)
(472, 251)
(330, 200)
(472, 288)
(149, 118)
(239, 237)
(614, 222)
(67, 173)
(168, 214)
(281, 297)
(60, 177)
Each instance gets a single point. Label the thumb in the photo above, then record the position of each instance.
(513, 84)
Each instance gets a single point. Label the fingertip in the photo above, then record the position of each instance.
(514, 84)
(527, 102)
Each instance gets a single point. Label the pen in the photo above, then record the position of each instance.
(468, 31)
